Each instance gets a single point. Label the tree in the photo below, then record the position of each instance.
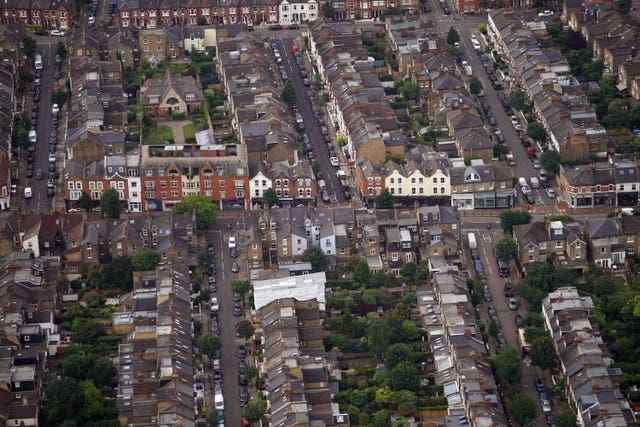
(542, 352)
(245, 329)
(566, 419)
(209, 345)
(61, 49)
(205, 258)
(84, 202)
(395, 355)
(404, 376)
(523, 409)
(254, 411)
(146, 259)
(328, 10)
(410, 91)
(110, 203)
(532, 333)
(93, 407)
(535, 131)
(250, 372)
(118, 273)
(384, 200)
(102, 372)
(362, 274)
(508, 364)
(550, 161)
(241, 286)
(452, 36)
(269, 198)
(86, 331)
(382, 418)
(203, 207)
(512, 217)
(475, 87)
(379, 335)
(317, 258)
(482, 28)
(518, 99)
(30, 47)
(289, 93)
(506, 249)
(64, 400)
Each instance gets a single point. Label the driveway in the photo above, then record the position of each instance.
(176, 128)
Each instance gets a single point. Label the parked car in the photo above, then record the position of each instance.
(244, 396)
(237, 309)
(234, 267)
(508, 290)
(57, 33)
(492, 310)
(513, 303)
(242, 352)
(519, 321)
(546, 407)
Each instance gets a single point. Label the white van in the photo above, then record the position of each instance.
(33, 136)
(535, 183)
(322, 185)
(522, 181)
(218, 400)
(28, 193)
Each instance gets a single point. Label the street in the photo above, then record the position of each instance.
(486, 239)
(312, 128)
(219, 237)
(40, 202)
(466, 26)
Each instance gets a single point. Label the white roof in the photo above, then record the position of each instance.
(302, 288)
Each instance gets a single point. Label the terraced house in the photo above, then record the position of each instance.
(45, 13)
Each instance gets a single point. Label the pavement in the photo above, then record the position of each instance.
(177, 129)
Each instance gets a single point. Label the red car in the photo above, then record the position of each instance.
(529, 151)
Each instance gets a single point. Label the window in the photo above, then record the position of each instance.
(543, 246)
(372, 251)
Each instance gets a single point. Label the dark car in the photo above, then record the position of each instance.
(237, 297)
(29, 171)
(233, 253)
(241, 365)
(508, 289)
(275, 28)
(293, 27)
(237, 309)
(215, 328)
(242, 352)
(242, 379)
(217, 375)
(41, 33)
(39, 174)
(519, 321)
(244, 396)
(211, 280)
(539, 385)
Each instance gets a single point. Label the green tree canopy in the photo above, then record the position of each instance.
(523, 409)
(86, 331)
(384, 200)
(110, 203)
(566, 419)
(452, 36)
(542, 353)
(550, 161)
(404, 376)
(254, 411)
(61, 49)
(209, 345)
(395, 354)
(64, 399)
(508, 364)
(269, 198)
(30, 47)
(245, 329)
(146, 259)
(535, 130)
(241, 286)
(506, 249)
(85, 202)
(118, 273)
(328, 10)
(202, 206)
(512, 217)
(362, 274)
(289, 93)
(93, 407)
(379, 335)
(410, 91)
(317, 258)
(518, 99)
(532, 333)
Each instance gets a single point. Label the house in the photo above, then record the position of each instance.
(368, 179)
(562, 243)
(169, 94)
(152, 45)
(422, 175)
(259, 180)
(399, 249)
(38, 233)
(293, 184)
(53, 14)
(474, 144)
(592, 384)
(481, 186)
(295, 11)
(608, 243)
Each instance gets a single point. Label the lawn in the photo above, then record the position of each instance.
(190, 129)
(157, 135)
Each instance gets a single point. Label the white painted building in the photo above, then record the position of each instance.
(292, 11)
(134, 203)
(259, 180)
(302, 288)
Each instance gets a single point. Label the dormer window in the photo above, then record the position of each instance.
(472, 177)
